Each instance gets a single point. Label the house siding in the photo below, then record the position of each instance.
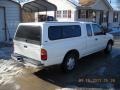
(61, 5)
(12, 11)
(99, 6)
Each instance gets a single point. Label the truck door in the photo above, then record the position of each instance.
(90, 39)
(99, 37)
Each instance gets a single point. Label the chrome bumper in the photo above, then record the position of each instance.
(24, 60)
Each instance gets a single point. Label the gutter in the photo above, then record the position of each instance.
(73, 3)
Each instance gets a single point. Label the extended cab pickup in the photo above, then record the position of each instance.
(50, 43)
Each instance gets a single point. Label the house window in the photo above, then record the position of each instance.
(65, 14)
(82, 14)
(105, 17)
(91, 14)
(58, 14)
(86, 14)
(115, 17)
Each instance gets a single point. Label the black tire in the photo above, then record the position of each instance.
(108, 48)
(69, 63)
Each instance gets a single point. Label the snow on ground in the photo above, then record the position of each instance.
(8, 68)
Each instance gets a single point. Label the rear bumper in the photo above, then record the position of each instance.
(25, 60)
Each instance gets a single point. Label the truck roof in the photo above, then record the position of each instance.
(47, 22)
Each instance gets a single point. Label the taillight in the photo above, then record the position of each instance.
(43, 54)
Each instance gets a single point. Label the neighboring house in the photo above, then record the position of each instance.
(114, 18)
(99, 11)
(10, 16)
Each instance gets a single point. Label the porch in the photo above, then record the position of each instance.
(92, 15)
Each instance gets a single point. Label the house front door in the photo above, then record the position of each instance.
(101, 18)
(2, 25)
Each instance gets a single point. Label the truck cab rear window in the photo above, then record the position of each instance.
(30, 34)
(61, 32)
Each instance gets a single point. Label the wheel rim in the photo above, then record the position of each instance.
(71, 63)
(109, 47)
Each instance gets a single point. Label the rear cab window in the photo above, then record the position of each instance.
(89, 30)
(29, 34)
(64, 31)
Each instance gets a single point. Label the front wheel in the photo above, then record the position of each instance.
(108, 48)
(69, 63)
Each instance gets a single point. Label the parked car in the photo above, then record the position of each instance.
(64, 43)
(115, 30)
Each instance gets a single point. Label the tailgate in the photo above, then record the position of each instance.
(28, 50)
(27, 41)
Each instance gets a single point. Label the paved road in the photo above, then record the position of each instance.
(98, 71)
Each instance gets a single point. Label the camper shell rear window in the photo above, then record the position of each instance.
(29, 34)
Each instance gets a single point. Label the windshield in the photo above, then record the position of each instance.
(29, 34)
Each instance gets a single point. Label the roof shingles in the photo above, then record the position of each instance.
(87, 2)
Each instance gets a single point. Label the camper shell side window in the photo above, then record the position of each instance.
(62, 32)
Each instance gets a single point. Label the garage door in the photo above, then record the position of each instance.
(2, 25)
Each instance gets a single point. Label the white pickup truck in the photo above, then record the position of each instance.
(51, 43)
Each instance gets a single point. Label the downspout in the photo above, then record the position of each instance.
(5, 23)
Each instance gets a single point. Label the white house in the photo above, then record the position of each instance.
(114, 18)
(99, 11)
(10, 16)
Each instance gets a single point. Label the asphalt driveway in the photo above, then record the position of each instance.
(94, 72)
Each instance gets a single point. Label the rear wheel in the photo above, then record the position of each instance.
(69, 62)
(108, 48)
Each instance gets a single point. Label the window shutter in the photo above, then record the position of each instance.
(79, 13)
(69, 13)
(87, 14)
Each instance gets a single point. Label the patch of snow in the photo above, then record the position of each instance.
(17, 87)
(9, 70)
